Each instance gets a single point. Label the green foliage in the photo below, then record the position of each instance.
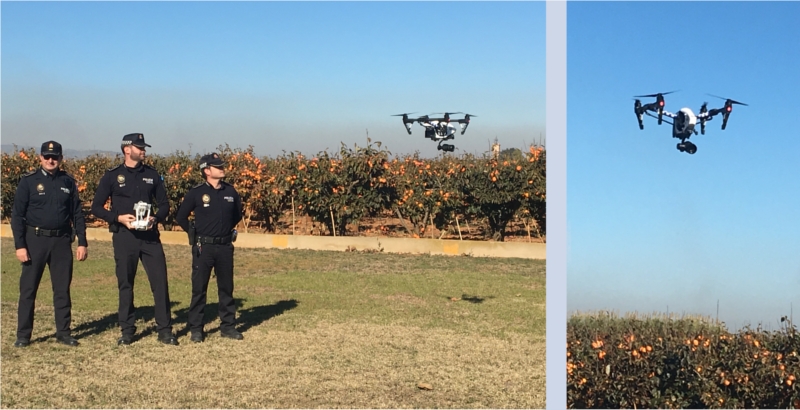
(679, 363)
(341, 189)
(13, 167)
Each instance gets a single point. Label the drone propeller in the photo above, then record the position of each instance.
(726, 111)
(659, 103)
(728, 100)
(403, 115)
(657, 94)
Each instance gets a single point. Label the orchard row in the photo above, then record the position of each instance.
(341, 188)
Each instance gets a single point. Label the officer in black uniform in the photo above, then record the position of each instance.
(45, 220)
(128, 184)
(217, 209)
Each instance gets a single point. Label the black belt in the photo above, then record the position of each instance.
(214, 240)
(50, 232)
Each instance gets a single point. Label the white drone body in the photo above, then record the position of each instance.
(142, 212)
(439, 131)
(683, 122)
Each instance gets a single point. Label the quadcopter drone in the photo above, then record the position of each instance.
(683, 121)
(438, 129)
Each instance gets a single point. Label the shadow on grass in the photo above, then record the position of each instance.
(247, 318)
(109, 322)
(471, 299)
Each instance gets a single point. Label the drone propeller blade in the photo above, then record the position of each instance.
(657, 94)
(728, 100)
(400, 115)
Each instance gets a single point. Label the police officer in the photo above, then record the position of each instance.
(217, 209)
(45, 219)
(127, 184)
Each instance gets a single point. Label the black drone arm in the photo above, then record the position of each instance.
(667, 113)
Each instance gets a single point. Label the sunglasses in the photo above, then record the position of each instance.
(52, 157)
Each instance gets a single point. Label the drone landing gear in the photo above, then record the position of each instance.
(687, 147)
(446, 147)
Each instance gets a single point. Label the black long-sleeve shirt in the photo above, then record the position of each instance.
(127, 186)
(216, 211)
(47, 201)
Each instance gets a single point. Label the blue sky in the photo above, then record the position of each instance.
(294, 76)
(651, 228)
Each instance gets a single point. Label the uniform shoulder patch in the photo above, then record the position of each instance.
(29, 173)
(113, 168)
(198, 185)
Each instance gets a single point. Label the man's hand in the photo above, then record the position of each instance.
(81, 253)
(127, 220)
(22, 255)
(151, 222)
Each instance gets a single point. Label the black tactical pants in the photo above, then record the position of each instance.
(204, 258)
(130, 247)
(56, 253)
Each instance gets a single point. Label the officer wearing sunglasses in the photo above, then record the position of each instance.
(217, 209)
(45, 219)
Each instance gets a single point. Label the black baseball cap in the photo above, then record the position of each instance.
(51, 148)
(136, 139)
(211, 160)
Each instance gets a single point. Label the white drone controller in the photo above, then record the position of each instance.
(142, 216)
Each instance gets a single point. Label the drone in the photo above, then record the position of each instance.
(438, 129)
(684, 121)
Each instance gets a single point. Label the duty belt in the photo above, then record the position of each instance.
(49, 232)
(214, 240)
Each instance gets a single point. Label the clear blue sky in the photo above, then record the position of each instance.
(278, 75)
(651, 228)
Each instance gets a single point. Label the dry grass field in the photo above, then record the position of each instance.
(322, 329)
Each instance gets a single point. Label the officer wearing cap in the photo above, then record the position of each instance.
(217, 209)
(127, 184)
(45, 219)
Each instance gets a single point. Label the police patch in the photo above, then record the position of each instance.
(40, 188)
(206, 198)
(121, 178)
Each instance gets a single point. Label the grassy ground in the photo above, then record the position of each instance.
(322, 329)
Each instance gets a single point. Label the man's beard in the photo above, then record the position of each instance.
(138, 156)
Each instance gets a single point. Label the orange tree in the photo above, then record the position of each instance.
(426, 192)
(244, 171)
(180, 173)
(87, 173)
(534, 203)
(341, 189)
(493, 189)
(277, 184)
(679, 363)
(13, 167)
